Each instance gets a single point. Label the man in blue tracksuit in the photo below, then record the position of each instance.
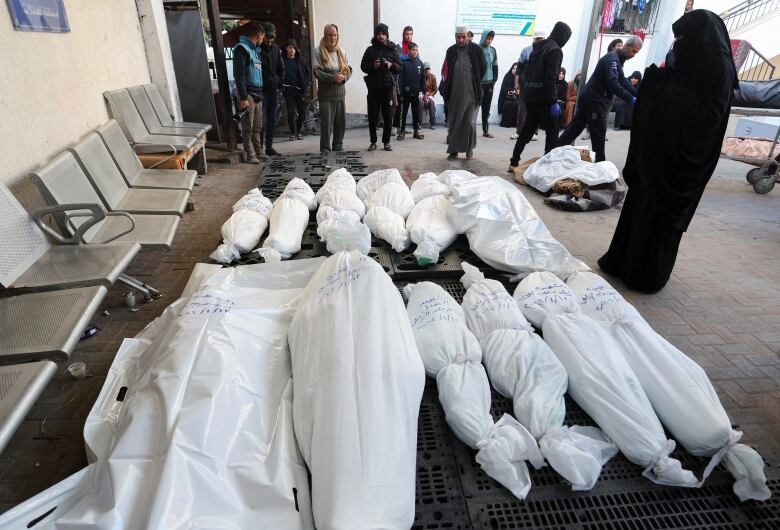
(248, 74)
(595, 99)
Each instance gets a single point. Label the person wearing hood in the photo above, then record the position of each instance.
(332, 71)
(490, 77)
(466, 66)
(507, 99)
(248, 74)
(680, 119)
(273, 77)
(562, 87)
(623, 110)
(596, 97)
(381, 64)
(297, 80)
(522, 62)
(540, 91)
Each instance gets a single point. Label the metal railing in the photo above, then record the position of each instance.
(756, 67)
(629, 19)
(747, 12)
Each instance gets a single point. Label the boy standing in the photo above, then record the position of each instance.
(411, 83)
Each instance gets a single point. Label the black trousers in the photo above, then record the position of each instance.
(411, 100)
(270, 108)
(537, 115)
(380, 101)
(594, 117)
(487, 100)
(296, 113)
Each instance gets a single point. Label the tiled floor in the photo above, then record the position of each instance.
(722, 305)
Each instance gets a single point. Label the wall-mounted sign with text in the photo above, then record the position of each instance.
(39, 15)
(505, 17)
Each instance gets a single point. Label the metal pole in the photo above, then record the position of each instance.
(595, 18)
(222, 75)
(377, 13)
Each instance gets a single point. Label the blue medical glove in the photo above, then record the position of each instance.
(555, 110)
(633, 101)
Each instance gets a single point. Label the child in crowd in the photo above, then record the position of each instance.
(411, 83)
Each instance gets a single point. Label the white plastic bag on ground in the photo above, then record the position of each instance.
(341, 179)
(452, 177)
(428, 185)
(341, 199)
(600, 379)
(203, 437)
(451, 354)
(358, 381)
(342, 230)
(394, 196)
(522, 367)
(240, 234)
(389, 226)
(680, 391)
(298, 189)
(430, 228)
(256, 201)
(372, 182)
(594, 174)
(505, 231)
(550, 168)
(288, 222)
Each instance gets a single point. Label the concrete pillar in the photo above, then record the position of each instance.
(158, 52)
(669, 11)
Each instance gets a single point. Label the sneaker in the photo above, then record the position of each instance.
(487, 135)
(514, 136)
(401, 136)
(299, 136)
(251, 159)
(433, 127)
(534, 138)
(452, 156)
(272, 152)
(388, 147)
(418, 135)
(372, 147)
(292, 138)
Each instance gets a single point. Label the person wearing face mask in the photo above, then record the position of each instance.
(381, 64)
(540, 91)
(248, 74)
(596, 97)
(332, 72)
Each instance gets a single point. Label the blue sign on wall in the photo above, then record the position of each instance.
(39, 15)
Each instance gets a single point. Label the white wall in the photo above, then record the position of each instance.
(53, 83)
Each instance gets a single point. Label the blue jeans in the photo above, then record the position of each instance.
(270, 108)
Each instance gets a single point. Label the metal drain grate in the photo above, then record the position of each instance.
(406, 267)
(453, 287)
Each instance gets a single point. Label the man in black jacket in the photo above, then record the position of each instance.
(466, 66)
(273, 75)
(380, 63)
(595, 99)
(540, 91)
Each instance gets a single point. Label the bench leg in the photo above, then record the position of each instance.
(146, 290)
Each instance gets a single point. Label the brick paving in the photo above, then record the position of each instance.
(720, 307)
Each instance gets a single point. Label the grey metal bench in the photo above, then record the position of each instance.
(20, 386)
(64, 182)
(46, 325)
(152, 121)
(162, 111)
(29, 261)
(103, 173)
(134, 172)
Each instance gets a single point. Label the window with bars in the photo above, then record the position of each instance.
(629, 16)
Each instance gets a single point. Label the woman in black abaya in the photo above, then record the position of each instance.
(507, 99)
(679, 122)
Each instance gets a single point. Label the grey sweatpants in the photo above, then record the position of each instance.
(251, 124)
(333, 122)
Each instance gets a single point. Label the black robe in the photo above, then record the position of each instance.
(507, 105)
(680, 119)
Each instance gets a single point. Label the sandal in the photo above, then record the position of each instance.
(372, 147)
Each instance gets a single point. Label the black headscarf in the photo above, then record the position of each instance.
(507, 84)
(614, 43)
(680, 118)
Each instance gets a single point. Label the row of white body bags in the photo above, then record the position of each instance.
(243, 229)
(679, 390)
(358, 381)
(522, 367)
(288, 221)
(428, 224)
(452, 355)
(340, 213)
(600, 379)
(389, 202)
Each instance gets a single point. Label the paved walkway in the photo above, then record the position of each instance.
(720, 307)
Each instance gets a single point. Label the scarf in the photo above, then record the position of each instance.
(344, 67)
